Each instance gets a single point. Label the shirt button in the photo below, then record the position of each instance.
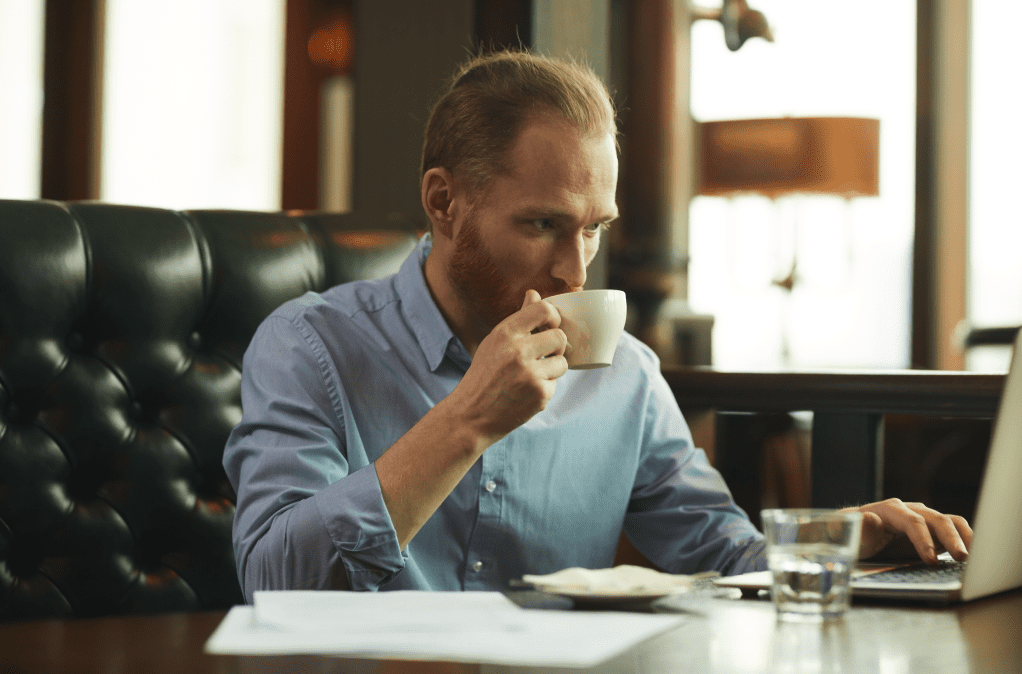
(491, 485)
(478, 566)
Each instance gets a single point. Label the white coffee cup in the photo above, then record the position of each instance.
(593, 321)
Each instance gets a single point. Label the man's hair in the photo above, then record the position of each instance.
(491, 100)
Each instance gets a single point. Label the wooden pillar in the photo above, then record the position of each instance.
(940, 261)
(641, 259)
(317, 48)
(300, 183)
(71, 99)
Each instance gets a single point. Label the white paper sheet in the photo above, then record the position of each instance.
(479, 627)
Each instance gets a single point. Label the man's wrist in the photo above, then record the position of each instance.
(464, 429)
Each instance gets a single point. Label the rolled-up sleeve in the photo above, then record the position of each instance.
(309, 515)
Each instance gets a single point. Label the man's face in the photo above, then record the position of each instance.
(538, 227)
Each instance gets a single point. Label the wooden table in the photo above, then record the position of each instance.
(716, 636)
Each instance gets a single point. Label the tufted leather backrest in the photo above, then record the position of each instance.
(122, 331)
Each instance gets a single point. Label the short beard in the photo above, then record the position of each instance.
(485, 290)
(477, 279)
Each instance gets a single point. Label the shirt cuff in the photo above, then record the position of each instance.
(358, 523)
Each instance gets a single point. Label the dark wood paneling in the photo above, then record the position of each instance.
(503, 24)
(405, 51)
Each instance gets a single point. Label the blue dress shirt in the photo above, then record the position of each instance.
(332, 380)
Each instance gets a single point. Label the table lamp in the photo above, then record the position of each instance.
(789, 156)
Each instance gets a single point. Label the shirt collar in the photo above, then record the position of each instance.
(431, 330)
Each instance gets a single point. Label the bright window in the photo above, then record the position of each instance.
(193, 103)
(21, 112)
(995, 223)
(850, 305)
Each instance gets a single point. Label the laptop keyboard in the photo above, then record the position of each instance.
(944, 572)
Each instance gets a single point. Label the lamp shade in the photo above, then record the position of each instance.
(790, 155)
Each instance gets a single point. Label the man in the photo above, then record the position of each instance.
(423, 431)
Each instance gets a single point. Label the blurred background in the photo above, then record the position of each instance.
(319, 104)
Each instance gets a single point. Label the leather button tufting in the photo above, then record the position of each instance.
(18, 414)
(75, 342)
(23, 558)
(127, 383)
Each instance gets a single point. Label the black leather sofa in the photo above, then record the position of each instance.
(122, 331)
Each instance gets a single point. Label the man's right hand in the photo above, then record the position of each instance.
(514, 371)
(512, 377)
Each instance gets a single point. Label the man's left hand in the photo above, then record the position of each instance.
(895, 528)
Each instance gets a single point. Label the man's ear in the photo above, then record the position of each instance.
(438, 200)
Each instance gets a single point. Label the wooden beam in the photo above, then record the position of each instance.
(954, 394)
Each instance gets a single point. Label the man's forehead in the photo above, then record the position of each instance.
(563, 203)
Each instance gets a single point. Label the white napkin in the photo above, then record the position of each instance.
(621, 580)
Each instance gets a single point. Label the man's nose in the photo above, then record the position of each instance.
(571, 262)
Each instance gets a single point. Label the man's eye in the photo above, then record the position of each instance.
(543, 224)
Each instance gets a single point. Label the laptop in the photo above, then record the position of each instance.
(995, 557)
